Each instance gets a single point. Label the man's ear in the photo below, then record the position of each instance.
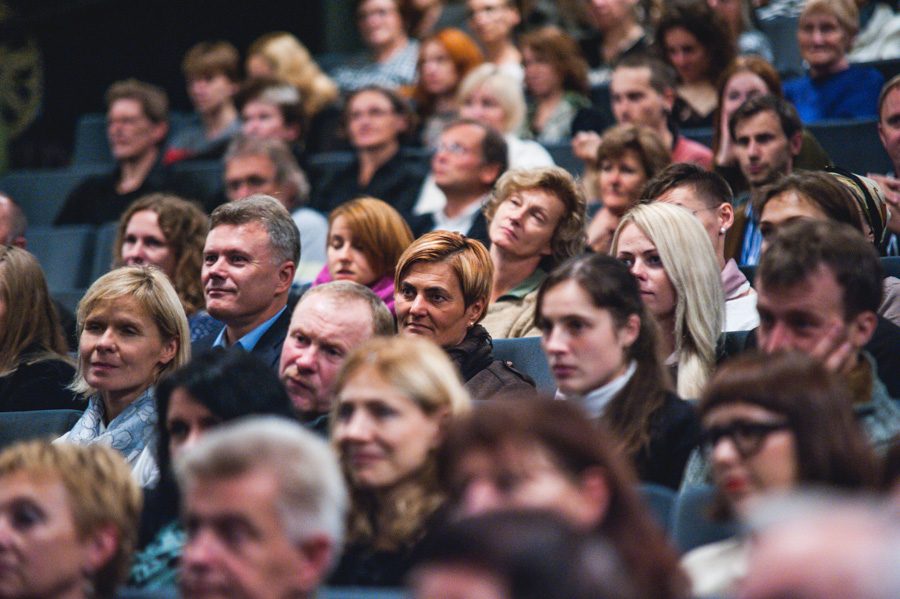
(861, 328)
(285, 276)
(725, 213)
(316, 554)
(488, 173)
(99, 547)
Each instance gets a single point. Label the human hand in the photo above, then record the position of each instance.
(585, 145)
(834, 350)
(891, 188)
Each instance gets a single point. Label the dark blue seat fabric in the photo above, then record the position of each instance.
(562, 155)
(692, 521)
(21, 426)
(527, 356)
(661, 501)
(360, 593)
(853, 145)
(104, 239)
(65, 253)
(42, 192)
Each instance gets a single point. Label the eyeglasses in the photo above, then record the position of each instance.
(452, 148)
(746, 436)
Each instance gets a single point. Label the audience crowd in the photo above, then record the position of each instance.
(440, 362)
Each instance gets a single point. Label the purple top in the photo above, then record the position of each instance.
(383, 287)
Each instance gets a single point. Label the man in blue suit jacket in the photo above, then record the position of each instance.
(249, 260)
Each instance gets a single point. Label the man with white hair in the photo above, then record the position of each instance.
(264, 506)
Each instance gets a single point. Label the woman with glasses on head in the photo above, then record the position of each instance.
(773, 424)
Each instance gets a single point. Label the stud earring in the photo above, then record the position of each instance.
(722, 231)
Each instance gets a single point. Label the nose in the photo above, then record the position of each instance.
(637, 270)
(724, 453)
(343, 252)
(418, 305)
(134, 253)
(106, 340)
(214, 270)
(552, 341)
(356, 429)
(199, 550)
(480, 496)
(778, 337)
(306, 359)
(191, 440)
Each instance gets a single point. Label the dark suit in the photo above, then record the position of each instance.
(423, 223)
(268, 348)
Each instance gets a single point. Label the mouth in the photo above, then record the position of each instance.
(215, 292)
(361, 458)
(735, 485)
(561, 371)
(416, 328)
(345, 273)
(102, 366)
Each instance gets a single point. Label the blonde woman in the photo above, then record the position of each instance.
(132, 330)
(71, 517)
(393, 400)
(535, 222)
(672, 258)
(34, 369)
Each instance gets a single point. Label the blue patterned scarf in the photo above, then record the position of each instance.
(129, 432)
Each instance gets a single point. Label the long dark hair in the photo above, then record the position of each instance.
(612, 287)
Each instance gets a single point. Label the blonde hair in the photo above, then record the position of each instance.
(690, 263)
(31, 318)
(292, 62)
(100, 490)
(422, 371)
(153, 292)
(845, 11)
(185, 227)
(503, 87)
(568, 238)
(468, 259)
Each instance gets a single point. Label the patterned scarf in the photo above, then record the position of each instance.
(129, 432)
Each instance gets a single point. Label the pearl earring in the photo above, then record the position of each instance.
(722, 231)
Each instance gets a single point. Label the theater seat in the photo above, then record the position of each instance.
(42, 192)
(103, 246)
(692, 522)
(527, 356)
(661, 501)
(21, 426)
(853, 145)
(360, 593)
(65, 254)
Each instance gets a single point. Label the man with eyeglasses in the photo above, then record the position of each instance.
(390, 58)
(137, 122)
(468, 160)
(266, 166)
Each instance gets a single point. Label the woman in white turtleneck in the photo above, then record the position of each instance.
(602, 347)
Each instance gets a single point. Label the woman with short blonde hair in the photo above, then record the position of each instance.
(671, 255)
(393, 399)
(85, 497)
(132, 330)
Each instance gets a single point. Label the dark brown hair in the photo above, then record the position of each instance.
(574, 444)
(818, 406)
(561, 51)
(707, 26)
(612, 287)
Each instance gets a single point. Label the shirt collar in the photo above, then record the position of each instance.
(249, 341)
(532, 282)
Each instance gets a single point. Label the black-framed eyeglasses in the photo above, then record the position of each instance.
(747, 436)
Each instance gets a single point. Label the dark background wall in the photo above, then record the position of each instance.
(84, 45)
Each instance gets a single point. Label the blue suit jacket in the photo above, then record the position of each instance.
(269, 346)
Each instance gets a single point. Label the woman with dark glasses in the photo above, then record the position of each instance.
(772, 424)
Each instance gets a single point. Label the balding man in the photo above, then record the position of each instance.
(328, 322)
